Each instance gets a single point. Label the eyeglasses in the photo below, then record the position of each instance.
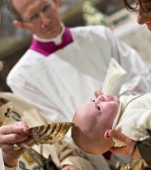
(33, 18)
(144, 5)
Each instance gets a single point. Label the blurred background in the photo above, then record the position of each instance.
(111, 13)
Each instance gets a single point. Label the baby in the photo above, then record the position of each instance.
(92, 120)
(131, 115)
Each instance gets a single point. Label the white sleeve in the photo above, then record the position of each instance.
(45, 102)
(137, 80)
(1, 160)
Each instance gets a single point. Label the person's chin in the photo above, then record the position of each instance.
(50, 34)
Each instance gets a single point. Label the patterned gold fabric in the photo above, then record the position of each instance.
(136, 165)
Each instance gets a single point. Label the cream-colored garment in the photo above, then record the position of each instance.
(114, 72)
(61, 152)
(135, 117)
(59, 83)
(1, 161)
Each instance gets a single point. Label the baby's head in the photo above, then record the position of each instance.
(92, 120)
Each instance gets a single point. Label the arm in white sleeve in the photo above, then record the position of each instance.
(138, 78)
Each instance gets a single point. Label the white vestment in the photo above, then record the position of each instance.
(61, 82)
(135, 116)
(58, 84)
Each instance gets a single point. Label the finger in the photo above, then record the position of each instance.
(118, 135)
(13, 138)
(16, 128)
(13, 133)
(126, 151)
(121, 150)
(27, 144)
(97, 93)
(10, 134)
(8, 151)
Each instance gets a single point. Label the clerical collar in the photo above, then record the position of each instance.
(49, 46)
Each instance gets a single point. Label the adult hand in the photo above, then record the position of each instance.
(69, 167)
(13, 134)
(129, 149)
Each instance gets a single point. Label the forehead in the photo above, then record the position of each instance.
(87, 108)
(23, 5)
(85, 112)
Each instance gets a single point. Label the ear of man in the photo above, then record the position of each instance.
(19, 24)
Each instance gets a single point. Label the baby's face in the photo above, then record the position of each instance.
(102, 111)
(94, 118)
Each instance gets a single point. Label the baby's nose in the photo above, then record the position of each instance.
(100, 98)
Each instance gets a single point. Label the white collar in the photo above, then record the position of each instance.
(117, 142)
(116, 120)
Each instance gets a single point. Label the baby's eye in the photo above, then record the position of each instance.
(92, 100)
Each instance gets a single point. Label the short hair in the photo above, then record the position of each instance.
(83, 136)
(12, 11)
(82, 140)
